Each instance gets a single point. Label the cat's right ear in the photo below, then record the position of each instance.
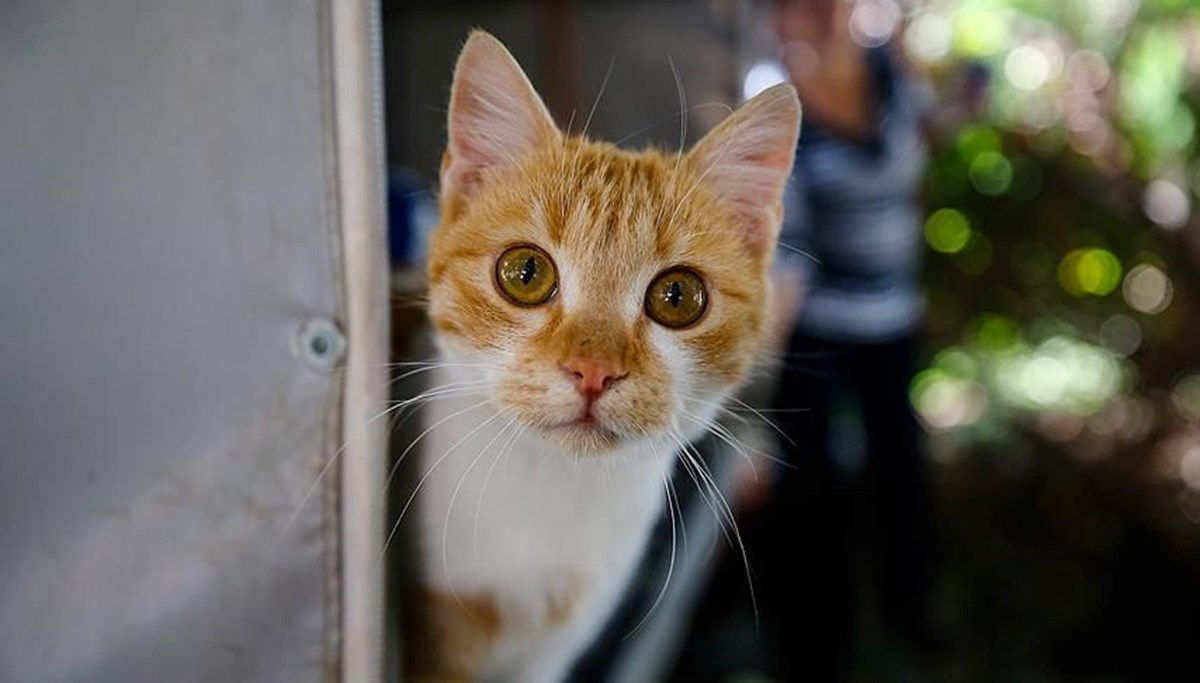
(747, 159)
(496, 117)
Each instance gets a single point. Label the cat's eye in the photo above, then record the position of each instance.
(526, 275)
(676, 298)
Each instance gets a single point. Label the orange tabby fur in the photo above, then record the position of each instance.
(610, 220)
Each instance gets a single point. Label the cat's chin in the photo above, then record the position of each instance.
(585, 439)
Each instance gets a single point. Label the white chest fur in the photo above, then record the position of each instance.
(551, 537)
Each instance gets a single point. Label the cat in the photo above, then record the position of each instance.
(592, 308)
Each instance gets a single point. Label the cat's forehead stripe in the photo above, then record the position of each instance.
(609, 198)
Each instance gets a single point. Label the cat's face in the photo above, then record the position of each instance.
(607, 297)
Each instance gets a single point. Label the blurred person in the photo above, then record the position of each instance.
(850, 307)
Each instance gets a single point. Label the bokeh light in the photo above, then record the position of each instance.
(1166, 204)
(872, 22)
(947, 231)
(1189, 467)
(761, 76)
(1061, 374)
(928, 36)
(1088, 69)
(944, 402)
(1121, 334)
(977, 32)
(1147, 289)
(1027, 67)
(991, 173)
(1185, 396)
(1089, 271)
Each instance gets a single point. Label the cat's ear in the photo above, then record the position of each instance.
(495, 118)
(747, 159)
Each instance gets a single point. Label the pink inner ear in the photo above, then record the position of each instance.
(753, 184)
(748, 158)
(495, 117)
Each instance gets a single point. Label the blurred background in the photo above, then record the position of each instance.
(1059, 368)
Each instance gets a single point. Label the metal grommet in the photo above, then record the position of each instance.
(321, 344)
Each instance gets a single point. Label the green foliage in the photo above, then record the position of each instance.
(1056, 277)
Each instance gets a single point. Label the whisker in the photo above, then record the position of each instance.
(454, 496)
(758, 413)
(665, 119)
(425, 477)
(706, 475)
(807, 254)
(603, 84)
(711, 428)
(682, 110)
(701, 488)
(720, 157)
(504, 450)
(725, 434)
(396, 465)
(321, 475)
(670, 571)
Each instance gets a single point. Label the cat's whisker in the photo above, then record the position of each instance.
(403, 415)
(702, 470)
(679, 506)
(682, 135)
(728, 143)
(396, 465)
(567, 133)
(665, 119)
(595, 103)
(758, 413)
(409, 405)
(430, 471)
(727, 434)
(742, 409)
(724, 435)
(454, 496)
(429, 367)
(807, 254)
(428, 363)
(670, 568)
(682, 112)
(441, 389)
(502, 453)
(321, 475)
(428, 396)
(701, 485)
(653, 447)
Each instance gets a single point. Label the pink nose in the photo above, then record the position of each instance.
(592, 377)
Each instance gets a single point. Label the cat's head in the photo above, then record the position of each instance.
(604, 297)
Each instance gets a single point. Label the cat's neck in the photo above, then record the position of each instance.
(501, 504)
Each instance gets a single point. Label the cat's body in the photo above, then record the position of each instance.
(593, 307)
(541, 554)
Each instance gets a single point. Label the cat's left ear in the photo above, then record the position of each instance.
(747, 160)
(496, 118)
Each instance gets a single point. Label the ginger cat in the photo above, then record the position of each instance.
(593, 307)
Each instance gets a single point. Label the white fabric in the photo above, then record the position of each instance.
(171, 215)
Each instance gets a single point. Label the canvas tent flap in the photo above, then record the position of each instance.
(187, 200)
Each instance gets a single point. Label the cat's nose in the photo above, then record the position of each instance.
(593, 377)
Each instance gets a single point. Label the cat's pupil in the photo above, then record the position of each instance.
(528, 270)
(675, 294)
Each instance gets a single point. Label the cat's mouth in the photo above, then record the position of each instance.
(586, 434)
(586, 423)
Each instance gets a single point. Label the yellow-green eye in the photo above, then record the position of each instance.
(526, 275)
(676, 298)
